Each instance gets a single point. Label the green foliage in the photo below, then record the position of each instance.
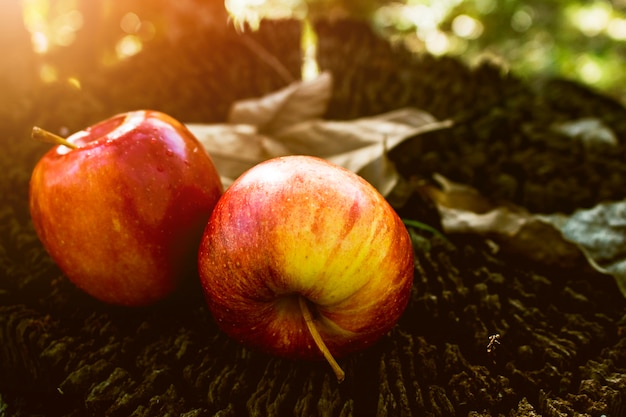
(583, 40)
(576, 39)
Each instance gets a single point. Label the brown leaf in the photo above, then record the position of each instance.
(464, 210)
(286, 123)
(298, 102)
(600, 233)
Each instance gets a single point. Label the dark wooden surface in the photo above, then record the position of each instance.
(563, 337)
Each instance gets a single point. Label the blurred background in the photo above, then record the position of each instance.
(54, 41)
(582, 40)
(579, 39)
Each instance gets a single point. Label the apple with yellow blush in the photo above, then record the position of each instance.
(304, 259)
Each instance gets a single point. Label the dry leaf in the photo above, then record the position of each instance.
(361, 145)
(288, 123)
(298, 102)
(456, 196)
(235, 148)
(600, 232)
(594, 238)
(590, 131)
(464, 210)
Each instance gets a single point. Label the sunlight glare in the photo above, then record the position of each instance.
(48, 74)
(308, 44)
(591, 20)
(51, 26)
(589, 69)
(130, 23)
(242, 11)
(467, 27)
(74, 82)
(437, 42)
(40, 42)
(522, 20)
(617, 29)
(128, 46)
(253, 11)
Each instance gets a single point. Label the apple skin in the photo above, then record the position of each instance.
(299, 226)
(122, 215)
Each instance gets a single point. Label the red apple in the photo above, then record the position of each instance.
(122, 205)
(304, 259)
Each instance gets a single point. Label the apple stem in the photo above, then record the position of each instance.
(49, 137)
(317, 338)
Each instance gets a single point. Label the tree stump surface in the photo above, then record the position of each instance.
(562, 348)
